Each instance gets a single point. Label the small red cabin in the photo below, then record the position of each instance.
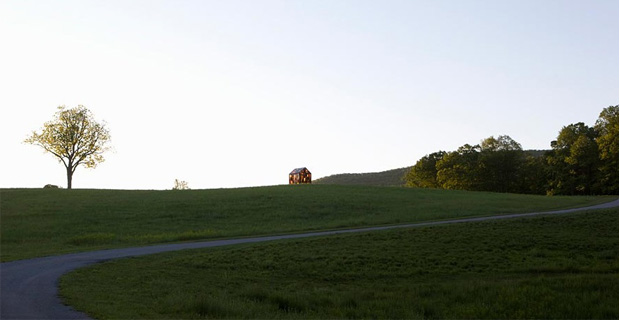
(300, 175)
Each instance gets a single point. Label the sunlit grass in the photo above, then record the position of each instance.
(37, 222)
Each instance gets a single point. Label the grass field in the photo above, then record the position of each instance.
(38, 222)
(563, 266)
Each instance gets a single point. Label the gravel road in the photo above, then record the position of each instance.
(29, 288)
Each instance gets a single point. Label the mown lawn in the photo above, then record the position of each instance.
(39, 222)
(561, 266)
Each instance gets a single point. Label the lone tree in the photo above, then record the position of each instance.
(74, 137)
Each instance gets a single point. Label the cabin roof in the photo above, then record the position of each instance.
(299, 170)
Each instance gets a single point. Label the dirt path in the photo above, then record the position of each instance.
(29, 288)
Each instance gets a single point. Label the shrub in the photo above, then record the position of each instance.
(180, 185)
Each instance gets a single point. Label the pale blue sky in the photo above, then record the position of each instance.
(238, 93)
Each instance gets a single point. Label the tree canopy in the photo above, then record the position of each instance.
(607, 141)
(583, 161)
(424, 173)
(74, 137)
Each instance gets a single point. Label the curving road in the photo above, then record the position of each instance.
(28, 288)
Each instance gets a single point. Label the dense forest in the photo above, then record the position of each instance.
(583, 160)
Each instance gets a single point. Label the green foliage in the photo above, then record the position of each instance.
(424, 173)
(583, 161)
(459, 170)
(38, 222)
(494, 165)
(563, 266)
(607, 140)
(502, 143)
(534, 173)
(500, 164)
(74, 137)
(575, 161)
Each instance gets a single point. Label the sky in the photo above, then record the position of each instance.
(237, 93)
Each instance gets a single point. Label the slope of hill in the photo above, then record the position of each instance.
(40, 222)
(392, 177)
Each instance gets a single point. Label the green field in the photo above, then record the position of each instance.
(39, 222)
(560, 267)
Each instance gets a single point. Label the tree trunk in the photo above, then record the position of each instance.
(69, 177)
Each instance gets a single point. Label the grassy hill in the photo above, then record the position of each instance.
(39, 222)
(385, 178)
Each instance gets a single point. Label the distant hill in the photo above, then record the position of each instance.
(385, 178)
(536, 153)
(390, 178)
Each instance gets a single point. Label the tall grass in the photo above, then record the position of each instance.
(540, 267)
(37, 222)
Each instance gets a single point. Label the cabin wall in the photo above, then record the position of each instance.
(300, 178)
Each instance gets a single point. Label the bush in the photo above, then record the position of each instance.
(180, 185)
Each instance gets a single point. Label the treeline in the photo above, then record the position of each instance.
(583, 161)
